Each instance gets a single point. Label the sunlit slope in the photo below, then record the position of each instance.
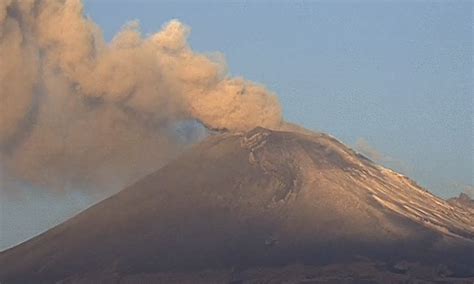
(262, 198)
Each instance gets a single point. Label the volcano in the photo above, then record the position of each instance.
(258, 206)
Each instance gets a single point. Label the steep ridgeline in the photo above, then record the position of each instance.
(258, 199)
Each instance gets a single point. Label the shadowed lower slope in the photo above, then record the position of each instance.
(260, 199)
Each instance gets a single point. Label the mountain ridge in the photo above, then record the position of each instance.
(260, 198)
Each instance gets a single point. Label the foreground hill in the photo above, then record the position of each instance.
(258, 206)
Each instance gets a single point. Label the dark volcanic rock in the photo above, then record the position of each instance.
(237, 202)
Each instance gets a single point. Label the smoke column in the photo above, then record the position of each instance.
(76, 111)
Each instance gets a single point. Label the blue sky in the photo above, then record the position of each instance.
(396, 74)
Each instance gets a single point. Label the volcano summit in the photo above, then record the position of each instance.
(263, 205)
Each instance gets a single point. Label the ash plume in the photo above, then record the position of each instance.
(365, 148)
(78, 110)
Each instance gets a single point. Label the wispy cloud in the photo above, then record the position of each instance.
(464, 188)
(365, 148)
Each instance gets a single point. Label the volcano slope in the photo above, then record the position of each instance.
(245, 207)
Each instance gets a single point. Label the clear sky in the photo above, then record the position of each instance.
(396, 74)
(395, 77)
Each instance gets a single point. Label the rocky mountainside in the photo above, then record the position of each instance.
(464, 201)
(245, 207)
